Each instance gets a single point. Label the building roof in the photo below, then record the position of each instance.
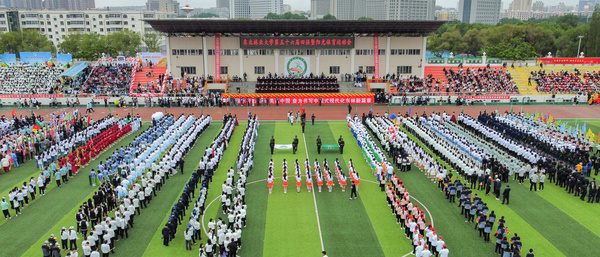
(337, 27)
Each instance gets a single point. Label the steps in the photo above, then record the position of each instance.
(143, 80)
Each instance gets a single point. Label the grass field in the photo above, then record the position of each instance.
(551, 222)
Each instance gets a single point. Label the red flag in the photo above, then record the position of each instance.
(302, 109)
(14, 112)
(88, 121)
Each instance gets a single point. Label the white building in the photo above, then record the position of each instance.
(254, 9)
(482, 11)
(56, 24)
(383, 9)
(221, 12)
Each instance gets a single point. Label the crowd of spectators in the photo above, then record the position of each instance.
(29, 80)
(111, 79)
(562, 81)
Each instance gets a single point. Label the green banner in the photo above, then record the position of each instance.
(332, 146)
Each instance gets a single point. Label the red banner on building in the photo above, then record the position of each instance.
(488, 97)
(33, 96)
(569, 60)
(217, 56)
(376, 54)
(304, 99)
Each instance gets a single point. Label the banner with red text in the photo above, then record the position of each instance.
(305, 99)
(569, 60)
(488, 97)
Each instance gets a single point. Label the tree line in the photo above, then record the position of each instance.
(88, 46)
(518, 40)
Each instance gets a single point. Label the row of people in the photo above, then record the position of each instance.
(61, 170)
(128, 192)
(412, 219)
(562, 81)
(471, 205)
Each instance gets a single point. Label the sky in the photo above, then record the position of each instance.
(303, 5)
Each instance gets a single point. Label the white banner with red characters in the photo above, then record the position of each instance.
(305, 99)
(488, 97)
(33, 96)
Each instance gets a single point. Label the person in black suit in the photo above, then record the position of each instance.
(506, 195)
(165, 234)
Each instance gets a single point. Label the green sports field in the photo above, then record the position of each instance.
(551, 222)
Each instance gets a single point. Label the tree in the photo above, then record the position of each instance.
(593, 48)
(205, 15)
(25, 40)
(285, 16)
(363, 18)
(124, 42)
(71, 44)
(152, 41)
(329, 16)
(475, 41)
(515, 49)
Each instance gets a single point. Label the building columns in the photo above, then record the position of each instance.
(423, 50)
(169, 52)
(241, 54)
(387, 56)
(276, 61)
(204, 57)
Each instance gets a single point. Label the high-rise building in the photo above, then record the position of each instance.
(586, 4)
(521, 5)
(222, 3)
(319, 8)
(239, 9)
(260, 8)
(348, 9)
(169, 6)
(410, 10)
(538, 6)
(383, 9)
(482, 11)
(254, 9)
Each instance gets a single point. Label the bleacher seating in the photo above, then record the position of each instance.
(112, 79)
(297, 85)
(563, 81)
(476, 80)
(29, 80)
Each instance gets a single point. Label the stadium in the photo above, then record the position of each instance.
(197, 151)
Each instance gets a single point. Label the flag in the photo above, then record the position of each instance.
(371, 112)
(598, 137)
(511, 109)
(527, 115)
(36, 126)
(575, 119)
(88, 120)
(14, 112)
(32, 114)
(583, 128)
(302, 109)
(388, 111)
(562, 128)
(576, 131)
(409, 109)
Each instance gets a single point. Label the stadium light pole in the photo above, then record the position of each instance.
(578, 47)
